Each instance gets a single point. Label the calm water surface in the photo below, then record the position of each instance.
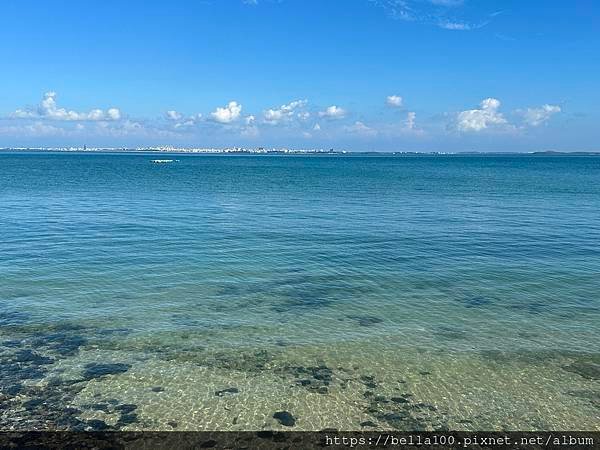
(313, 285)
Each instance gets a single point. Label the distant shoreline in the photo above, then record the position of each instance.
(315, 153)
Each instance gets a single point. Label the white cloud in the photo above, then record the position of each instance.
(274, 116)
(48, 109)
(361, 129)
(538, 116)
(333, 112)
(173, 115)
(113, 113)
(394, 101)
(228, 114)
(480, 119)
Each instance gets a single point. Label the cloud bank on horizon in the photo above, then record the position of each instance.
(425, 75)
(295, 117)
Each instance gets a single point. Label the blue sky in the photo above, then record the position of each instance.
(390, 75)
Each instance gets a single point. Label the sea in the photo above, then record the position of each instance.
(302, 292)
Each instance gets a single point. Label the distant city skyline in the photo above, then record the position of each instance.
(361, 75)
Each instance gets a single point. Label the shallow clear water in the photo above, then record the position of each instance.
(469, 284)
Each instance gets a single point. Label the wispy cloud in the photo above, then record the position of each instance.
(461, 26)
(439, 13)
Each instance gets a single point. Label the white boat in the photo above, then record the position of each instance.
(163, 161)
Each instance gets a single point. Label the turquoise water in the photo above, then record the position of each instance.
(219, 268)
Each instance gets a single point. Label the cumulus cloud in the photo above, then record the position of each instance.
(113, 114)
(48, 109)
(480, 119)
(284, 113)
(228, 114)
(537, 116)
(173, 115)
(333, 112)
(394, 101)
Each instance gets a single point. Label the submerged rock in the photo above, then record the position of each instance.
(587, 369)
(231, 390)
(97, 425)
(285, 418)
(126, 408)
(366, 321)
(368, 381)
(28, 356)
(98, 370)
(126, 419)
